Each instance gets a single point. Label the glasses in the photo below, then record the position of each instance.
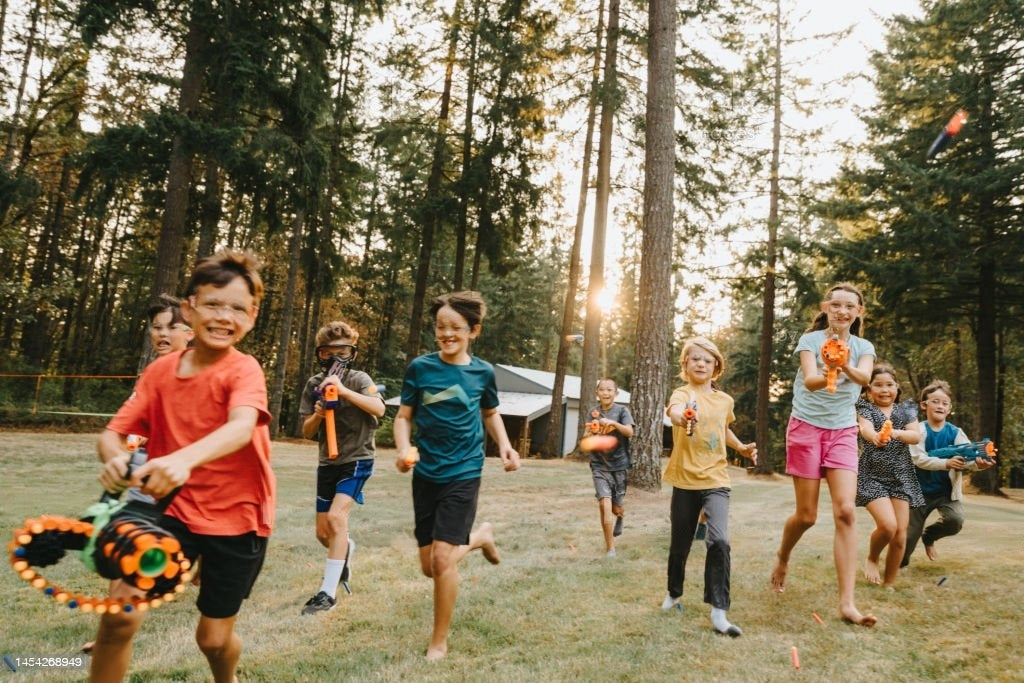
(343, 351)
(450, 330)
(837, 307)
(938, 402)
(212, 307)
(701, 359)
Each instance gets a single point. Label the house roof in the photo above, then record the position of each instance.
(511, 378)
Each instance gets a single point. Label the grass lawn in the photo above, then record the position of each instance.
(555, 609)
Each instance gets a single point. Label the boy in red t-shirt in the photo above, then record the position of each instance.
(204, 413)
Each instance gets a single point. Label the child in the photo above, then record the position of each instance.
(609, 468)
(204, 413)
(941, 478)
(448, 394)
(886, 483)
(167, 333)
(821, 440)
(699, 474)
(339, 481)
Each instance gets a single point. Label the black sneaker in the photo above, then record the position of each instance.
(321, 602)
(618, 526)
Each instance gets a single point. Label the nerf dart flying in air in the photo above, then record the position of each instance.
(948, 133)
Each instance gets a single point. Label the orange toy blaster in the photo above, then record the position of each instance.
(835, 353)
(330, 403)
(885, 433)
(690, 417)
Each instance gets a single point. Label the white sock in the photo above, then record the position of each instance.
(332, 576)
(719, 619)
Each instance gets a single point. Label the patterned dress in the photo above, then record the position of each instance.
(887, 472)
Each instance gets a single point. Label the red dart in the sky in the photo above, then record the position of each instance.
(948, 133)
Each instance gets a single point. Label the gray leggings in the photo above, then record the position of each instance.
(951, 520)
(685, 512)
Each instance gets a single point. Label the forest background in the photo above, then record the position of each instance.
(377, 154)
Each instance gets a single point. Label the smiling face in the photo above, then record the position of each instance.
(453, 334)
(937, 406)
(883, 389)
(699, 366)
(166, 336)
(606, 392)
(220, 316)
(842, 308)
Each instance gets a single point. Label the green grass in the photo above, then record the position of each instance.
(555, 609)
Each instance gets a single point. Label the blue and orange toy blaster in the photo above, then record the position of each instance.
(984, 449)
(950, 131)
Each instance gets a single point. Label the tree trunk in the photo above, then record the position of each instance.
(766, 348)
(592, 341)
(432, 195)
(287, 315)
(552, 446)
(179, 173)
(654, 322)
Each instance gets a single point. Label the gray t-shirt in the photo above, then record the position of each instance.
(354, 427)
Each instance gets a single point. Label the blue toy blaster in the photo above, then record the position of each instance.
(968, 451)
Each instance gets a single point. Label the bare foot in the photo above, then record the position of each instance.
(487, 546)
(871, 571)
(853, 616)
(779, 575)
(931, 552)
(436, 653)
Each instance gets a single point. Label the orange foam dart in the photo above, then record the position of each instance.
(885, 434)
(795, 656)
(330, 403)
(835, 353)
(990, 450)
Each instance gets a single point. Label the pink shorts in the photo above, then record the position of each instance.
(811, 450)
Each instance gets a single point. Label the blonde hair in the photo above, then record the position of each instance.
(707, 345)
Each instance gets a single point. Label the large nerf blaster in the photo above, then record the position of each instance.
(835, 354)
(115, 540)
(984, 449)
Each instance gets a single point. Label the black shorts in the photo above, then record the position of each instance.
(444, 512)
(229, 568)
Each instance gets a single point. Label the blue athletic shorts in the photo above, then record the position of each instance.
(347, 479)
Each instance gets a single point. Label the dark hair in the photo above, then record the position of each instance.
(223, 267)
(601, 381)
(936, 385)
(335, 330)
(165, 303)
(884, 369)
(469, 304)
(821, 320)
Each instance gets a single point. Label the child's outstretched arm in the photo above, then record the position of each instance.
(496, 428)
(163, 475)
(402, 431)
(747, 450)
(115, 457)
(861, 372)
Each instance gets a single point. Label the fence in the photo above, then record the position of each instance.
(87, 395)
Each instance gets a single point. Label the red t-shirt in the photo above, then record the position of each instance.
(233, 494)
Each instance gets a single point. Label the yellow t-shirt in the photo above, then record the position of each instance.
(699, 462)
